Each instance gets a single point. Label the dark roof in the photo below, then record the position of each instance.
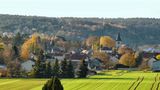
(61, 37)
(118, 38)
(76, 56)
(106, 48)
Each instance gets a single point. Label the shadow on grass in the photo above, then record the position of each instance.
(115, 78)
(104, 74)
(109, 78)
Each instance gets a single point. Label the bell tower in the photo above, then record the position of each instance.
(118, 40)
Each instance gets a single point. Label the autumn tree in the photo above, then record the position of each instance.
(92, 40)
(103, 57)
(128, 59)
(30, 45)
(124, 49)
(14, 68)
(107, 41)
(8, 54)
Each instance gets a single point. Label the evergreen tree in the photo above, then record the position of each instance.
(16, 51)
(48, 69)
(70, 71)
(82, 69)
(17, 40)
(53, 84)
(64, 68)
(56, 68)
(38, 69)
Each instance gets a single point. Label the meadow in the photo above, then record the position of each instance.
(106, 80)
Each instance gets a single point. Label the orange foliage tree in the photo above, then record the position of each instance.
(28, 46)
(107, 41)
(92, 40)
(128, 59)
(103, 57)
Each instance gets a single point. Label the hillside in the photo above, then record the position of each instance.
(134, 31)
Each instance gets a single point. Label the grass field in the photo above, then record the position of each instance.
(108, 80)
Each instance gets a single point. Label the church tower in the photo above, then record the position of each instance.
(118, 41)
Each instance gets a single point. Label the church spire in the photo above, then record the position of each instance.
(118, 38)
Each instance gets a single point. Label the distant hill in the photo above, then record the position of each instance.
(134, 31)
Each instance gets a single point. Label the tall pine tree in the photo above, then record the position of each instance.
(56, 68)
(64, 69)
(53, 84)
(48, 70)
(70, 71)
(38, 70)
(82, 69)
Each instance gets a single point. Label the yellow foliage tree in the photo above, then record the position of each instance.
(127, 59)
(107, 41)
(28, 45)
(124, 49)
(158, 57)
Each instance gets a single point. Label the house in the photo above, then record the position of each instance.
(76, 58)
(113, 60)
(106, 50)
(156, 66)
(95, 64)
(3, 70)
(27, 66)
(151, 61)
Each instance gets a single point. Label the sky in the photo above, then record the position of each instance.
(82, 8)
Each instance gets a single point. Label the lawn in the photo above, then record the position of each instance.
(107, 80)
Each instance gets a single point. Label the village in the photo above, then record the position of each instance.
(99, 53)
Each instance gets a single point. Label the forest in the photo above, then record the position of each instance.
(134, 31)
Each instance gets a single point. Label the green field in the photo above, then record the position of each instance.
(108, 80)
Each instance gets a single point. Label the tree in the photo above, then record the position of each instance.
(14, 68)
(82, 69)
(16, 51)
(38, 70)
(17, 40)
(70, 71)
(56, 68)
(158, 57)
(64, 68)
(48, 69)
(128, 59)
(92, 40)
(53, 84)
(124, 49)
(8, 54)
(103, 57)
(106, 41)
(31, 45)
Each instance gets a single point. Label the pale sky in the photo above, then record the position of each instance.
(82, 8)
